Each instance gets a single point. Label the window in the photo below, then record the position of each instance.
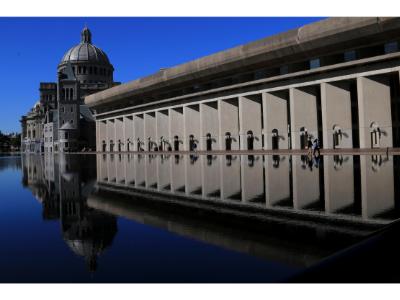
(72, 109)
(84, 70)
(66, 135)
(391, 47)
(350, 55)
(315, 63)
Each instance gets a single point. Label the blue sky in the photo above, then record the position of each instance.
(32, 47)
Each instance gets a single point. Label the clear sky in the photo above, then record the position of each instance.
(31, 48)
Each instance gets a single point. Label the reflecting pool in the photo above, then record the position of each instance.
(186, 218)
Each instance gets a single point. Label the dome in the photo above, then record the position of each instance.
(85, 51)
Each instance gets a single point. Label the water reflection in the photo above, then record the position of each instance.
(62, 184)
(272, 207)
(340, 186)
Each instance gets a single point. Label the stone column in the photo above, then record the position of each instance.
(210, 176)
(193, 179)
(192, 125)
(228, 115)
(177, 169)
(102, 134)
(250, 110)
(209, 125)
(303, 114)
(276, 119)
(139, 169)
(374, 110)
(163, 172)
(129, 170)
(119, 134)
(110, 134)
(150, 171)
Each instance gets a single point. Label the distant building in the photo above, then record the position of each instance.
(336, 80)
(60, 121)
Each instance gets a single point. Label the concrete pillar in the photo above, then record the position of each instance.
(377, 185)
(150, 171)
(110, 134)
(162, 128)
(277, 179)
(163, 172)
(228, 115)
(209, 125)
(250, 122)
(336, 115)
(191, 115)
(275, 116)
(102, 134)
(129, 141)
(193, 179)
(111, 169)
(374, 111)
(150, 130)
(338, 182)
(230, 177)
(251, 174)
(210, 176)
(303, 114)
(305, 183)
(138, 124)
(176, 127)
(119, 135)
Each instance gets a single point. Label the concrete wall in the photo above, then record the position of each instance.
(275, 117)
(150, 130)
(162, 120)
(228, 113)
(138, 121)
(110, 133)
(191, 115)
(129, 134)
(209, 123)
(176, 126)
(303, 113)
(374, 106)
(336, 111)
(119, 134)
(250, 110)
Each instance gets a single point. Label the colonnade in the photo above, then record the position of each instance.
(285, 117)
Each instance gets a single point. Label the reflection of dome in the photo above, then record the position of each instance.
(85, 51)
(90, 236)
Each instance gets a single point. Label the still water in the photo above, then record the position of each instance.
(186, 218)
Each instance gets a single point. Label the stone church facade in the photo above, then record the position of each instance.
(60, 121)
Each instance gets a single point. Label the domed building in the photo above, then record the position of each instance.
(60, 122)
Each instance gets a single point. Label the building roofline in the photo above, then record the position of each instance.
(308, 38)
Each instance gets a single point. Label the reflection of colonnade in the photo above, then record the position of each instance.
(352, 187)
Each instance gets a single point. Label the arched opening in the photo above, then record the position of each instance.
(104, 146)
(228, 141)
(191, 143)
(376, 133)
(208, 142)
(337, 136)
(111, 145)
(176, 143)
(250, 140)
(303, 137)
(275, 139)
